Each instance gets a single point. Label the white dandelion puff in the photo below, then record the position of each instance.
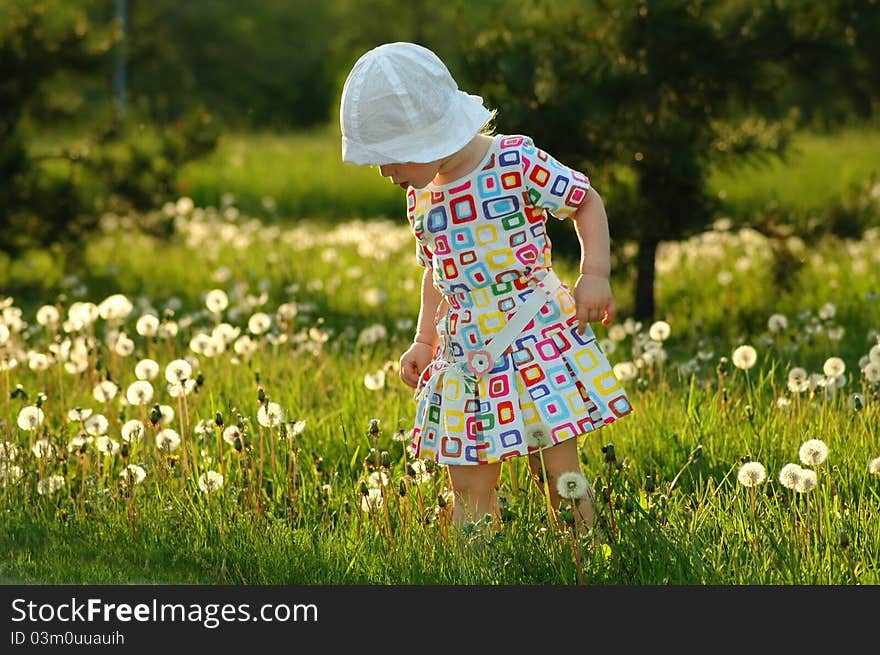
(116, 306)
(48, 316)
(538, 435)
(745, 357)
(572, 485)
(828, 310)
(789, 475)
(807, 481)
(30, 418)
(378, 479)
(372, 500)
(216, 301)
(167, 440)
(777, 323)
(834, 367)
(105, 391)
(78, 414)
(625, 371)
(42, 449)
(259, 322)
(751, 474)
(872, 372)
(874, 466)
(659, 331)
(133, 474)
(270, 415)
(147, 325)
(133, 430)
(813, 452)
(178, 389)
(50, 485)
(178, 371)
(231, 433)
(375, 381)
(146, 369)
(97, 425)
(210, 481)
(139, 392)
(106, 445)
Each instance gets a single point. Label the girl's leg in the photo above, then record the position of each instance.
(558, 459)
(474, 489)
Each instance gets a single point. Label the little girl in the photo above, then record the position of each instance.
(504, 360)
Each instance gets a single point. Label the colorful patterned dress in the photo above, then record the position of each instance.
(485, 240)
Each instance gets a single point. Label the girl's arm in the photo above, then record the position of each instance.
(426, 330)
(593, 298)
(419, 355)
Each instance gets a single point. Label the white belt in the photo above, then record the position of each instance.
(458, 379)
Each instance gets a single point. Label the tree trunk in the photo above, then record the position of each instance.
(644, 296)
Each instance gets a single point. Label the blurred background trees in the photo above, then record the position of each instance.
(647, 96)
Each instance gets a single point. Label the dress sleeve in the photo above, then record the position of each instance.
(551, 184)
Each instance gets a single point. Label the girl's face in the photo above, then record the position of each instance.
(410, 174)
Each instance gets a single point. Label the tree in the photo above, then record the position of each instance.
(646, 95)
(55, 194)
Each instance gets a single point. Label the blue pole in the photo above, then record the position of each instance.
(119, 81)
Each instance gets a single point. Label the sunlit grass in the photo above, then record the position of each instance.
(290, 509)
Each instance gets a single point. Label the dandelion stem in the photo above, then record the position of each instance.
(611, 503)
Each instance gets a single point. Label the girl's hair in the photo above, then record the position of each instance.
(488, 128)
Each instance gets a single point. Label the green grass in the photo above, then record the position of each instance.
(818, 169)
(290, 510)
(304, 175)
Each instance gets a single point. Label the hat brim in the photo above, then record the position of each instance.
(463, 120)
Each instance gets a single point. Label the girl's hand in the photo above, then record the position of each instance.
(593, 301)
(414, 361)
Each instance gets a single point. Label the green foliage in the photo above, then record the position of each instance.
(55, 192)
(650, 92)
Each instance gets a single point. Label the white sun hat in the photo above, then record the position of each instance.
(400, 104)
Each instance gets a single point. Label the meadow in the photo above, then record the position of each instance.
(213, 399)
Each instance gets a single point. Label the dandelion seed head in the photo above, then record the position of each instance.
(572, 485)
(147, 325)
(372, 500)
(259, 322)
(375, 381)
(834, 367)
(178, 371)
(813, 452)
(538, 435)
(807, 481)
(48, 316)
(659, 331)
(270, 415)
(50, 485)
(625, 371)
(874, 466)
(216, 301)
(210, 481)
(133, 474)
(167, 440)
(777, 323)
(133, 430)
(96, 425)
(30, 418)
(105, 391)
(744, 357)
(751, 474)
(789, 475)
(78, 414)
